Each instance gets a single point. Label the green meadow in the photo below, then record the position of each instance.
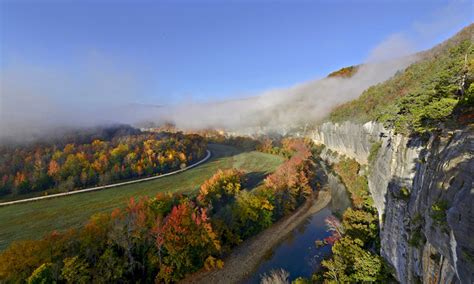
(34, 219)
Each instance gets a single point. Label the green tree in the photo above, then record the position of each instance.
(368, 267)
(110, 267)
(360, 224)
(252, 213)
(75, 270)
(351, 263)
(42, 275)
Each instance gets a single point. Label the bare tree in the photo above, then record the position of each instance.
(279, 276)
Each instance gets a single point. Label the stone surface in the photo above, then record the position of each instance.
(438, 170)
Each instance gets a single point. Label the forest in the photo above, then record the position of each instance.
(435, 90)
(166, 237)
(86, 162)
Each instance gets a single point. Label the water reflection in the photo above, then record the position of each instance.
(298, 253)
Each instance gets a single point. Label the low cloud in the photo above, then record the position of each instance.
(35, 100)
(281, 109)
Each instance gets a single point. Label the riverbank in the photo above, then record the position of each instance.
(240, 264)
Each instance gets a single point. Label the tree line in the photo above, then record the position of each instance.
(60, 168)
(166, 237)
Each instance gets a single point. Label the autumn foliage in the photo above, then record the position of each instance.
(167, 237)
(187, 238)
(291, 181)
(220, 188)
(335, 228)
(161, 238)
(56, 167)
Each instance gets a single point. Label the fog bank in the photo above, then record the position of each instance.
(38, 100)
(281, 109)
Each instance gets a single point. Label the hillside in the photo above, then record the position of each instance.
(345, 72)
(410, 139)
(437, 88)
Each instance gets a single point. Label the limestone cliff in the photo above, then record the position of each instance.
(424, 193)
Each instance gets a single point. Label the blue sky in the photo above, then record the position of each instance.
(215, 50)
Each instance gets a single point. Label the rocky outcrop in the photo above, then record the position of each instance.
(351, 139)
(424, 193)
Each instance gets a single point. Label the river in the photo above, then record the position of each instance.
(297, 253)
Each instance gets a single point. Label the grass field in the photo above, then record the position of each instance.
(33, 220)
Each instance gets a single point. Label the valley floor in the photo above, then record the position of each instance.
(108, 186)
(33, 220)
(243, 260)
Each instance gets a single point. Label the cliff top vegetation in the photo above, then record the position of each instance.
(435, 90)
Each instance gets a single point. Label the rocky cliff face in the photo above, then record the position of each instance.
(424, 193)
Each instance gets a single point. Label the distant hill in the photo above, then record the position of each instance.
(65, 135)
(345, 72)
(437, 90)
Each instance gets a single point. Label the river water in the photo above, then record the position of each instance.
(297, 253)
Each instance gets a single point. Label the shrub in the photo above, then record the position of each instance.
(404, 193)
(374, 150)
(438, 212)
(417, 238)
(469, 256)
(417, 220)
